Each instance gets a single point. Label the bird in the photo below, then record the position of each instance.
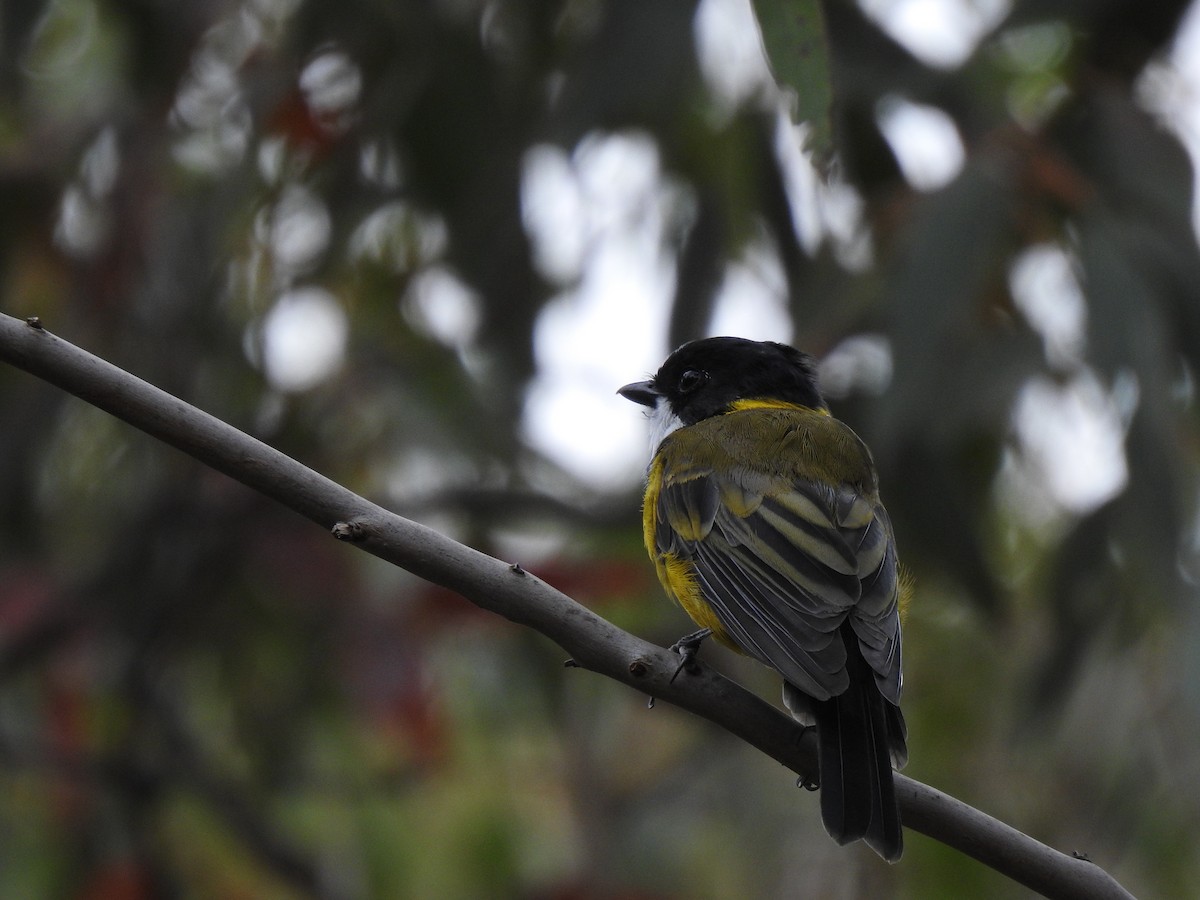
(763, 518)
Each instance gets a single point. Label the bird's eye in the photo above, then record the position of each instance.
(691, 379)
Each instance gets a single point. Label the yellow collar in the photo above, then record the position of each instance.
(766, 403)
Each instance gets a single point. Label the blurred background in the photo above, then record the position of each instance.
(417, 245)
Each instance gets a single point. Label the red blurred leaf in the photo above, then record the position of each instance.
(26, 596)
(293, 119)
(123, 880)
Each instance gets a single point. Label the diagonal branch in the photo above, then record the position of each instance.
(507, 590)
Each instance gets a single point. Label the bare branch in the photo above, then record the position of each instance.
(509, 591)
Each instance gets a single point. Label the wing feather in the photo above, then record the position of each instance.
(812, 659)
(783, 562)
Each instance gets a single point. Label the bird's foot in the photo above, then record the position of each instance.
(807, 781)
(687, 647)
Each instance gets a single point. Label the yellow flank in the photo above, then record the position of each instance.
(676, 575)
(679, 580)
(649, 505)
(907, 587)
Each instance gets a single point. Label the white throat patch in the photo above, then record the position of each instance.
(662, 423)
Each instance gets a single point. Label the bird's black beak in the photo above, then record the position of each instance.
(643, 392)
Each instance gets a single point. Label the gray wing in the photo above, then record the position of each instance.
(783, 569)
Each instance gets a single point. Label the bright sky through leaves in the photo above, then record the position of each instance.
(597, 216)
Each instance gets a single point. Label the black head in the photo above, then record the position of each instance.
(704, 378)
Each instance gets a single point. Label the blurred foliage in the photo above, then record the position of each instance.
(202, 697)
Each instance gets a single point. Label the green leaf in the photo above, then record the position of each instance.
(793, 33)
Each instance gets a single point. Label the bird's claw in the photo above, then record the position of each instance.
(687, 647)
(807, 781)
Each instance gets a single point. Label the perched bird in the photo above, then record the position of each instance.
(763, 519)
